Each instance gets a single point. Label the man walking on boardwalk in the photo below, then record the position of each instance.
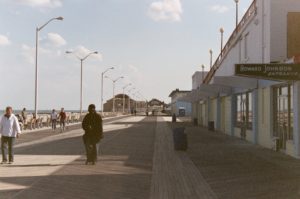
(62, 119)
(9, 130)
(92, 126)
(53, 119)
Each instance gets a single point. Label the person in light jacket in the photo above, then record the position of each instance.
(9, 130)
(53, 119)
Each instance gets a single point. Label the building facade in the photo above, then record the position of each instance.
(197, 79)
(180, 107)
(129, 104)
(262, 111)
(156, 105)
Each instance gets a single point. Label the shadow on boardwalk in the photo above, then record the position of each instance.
(123, 171)
(237, 169)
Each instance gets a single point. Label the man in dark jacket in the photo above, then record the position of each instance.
(92, 126)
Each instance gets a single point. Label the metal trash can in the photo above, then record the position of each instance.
(211, 126)
(195, 121)
(276, 141)
(180, 139)
(174, 117)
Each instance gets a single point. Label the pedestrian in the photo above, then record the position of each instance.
(24, 115)
(93, 133)
(62, 119)
(34, 121)
(9, 130)
(53, 117)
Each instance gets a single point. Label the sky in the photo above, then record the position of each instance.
(156, 45)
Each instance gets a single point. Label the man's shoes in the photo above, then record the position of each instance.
(92, 163)
(10, 162)
(4, 162)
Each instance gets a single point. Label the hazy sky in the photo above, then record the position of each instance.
(156, 44)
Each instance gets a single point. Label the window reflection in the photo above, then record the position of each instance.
(244, 110)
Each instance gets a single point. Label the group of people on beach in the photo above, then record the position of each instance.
(10, 129)
(54, 117)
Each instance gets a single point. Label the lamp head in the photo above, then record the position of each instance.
(236, 1)
(68, 52)
(210, 51)
(59, 18)
(222, 30)
(95, 52)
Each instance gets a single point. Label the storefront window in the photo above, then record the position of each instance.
(249, 110)
(244, 110)
(283, 109)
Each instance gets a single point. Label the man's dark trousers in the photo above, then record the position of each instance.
(7, 143)
(91, 149)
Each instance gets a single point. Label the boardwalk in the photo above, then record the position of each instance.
(174, 174)
(238, 169)
(138, 161)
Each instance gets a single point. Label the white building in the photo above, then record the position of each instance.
(197, 79)
(261, 111)
(180, 107)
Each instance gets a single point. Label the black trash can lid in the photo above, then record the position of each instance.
(179, 129)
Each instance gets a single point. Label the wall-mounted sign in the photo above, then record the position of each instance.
(285, 72)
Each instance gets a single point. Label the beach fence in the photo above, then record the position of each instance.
(44, 120)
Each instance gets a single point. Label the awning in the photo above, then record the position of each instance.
(222, 86)
(236, 82)
(197, 95)
(216, 89)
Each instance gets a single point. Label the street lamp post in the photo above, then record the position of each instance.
(114, 82)
(139, 103)
(129, 105)
(102, 74)
(134, 105)
(236, 13)
(36, 61)
(211, 53)
(135, 100)
(124, 96)
(81, 73)
(202, 72)
(222, 33)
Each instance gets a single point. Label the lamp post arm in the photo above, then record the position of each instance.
(55, 18)
(117, 79)
(40, 28)
(78, 57)
(107, 77)
(106, 71)
(126, 86)
(88, 55)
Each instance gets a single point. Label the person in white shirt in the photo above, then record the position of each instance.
(9, 130)
(53, 119)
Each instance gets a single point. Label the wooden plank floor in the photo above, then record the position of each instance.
(55, 169)
(174, 174)
(237, 169)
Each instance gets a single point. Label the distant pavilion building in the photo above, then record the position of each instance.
(130, 104)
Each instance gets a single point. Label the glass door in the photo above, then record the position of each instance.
(283, 121)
